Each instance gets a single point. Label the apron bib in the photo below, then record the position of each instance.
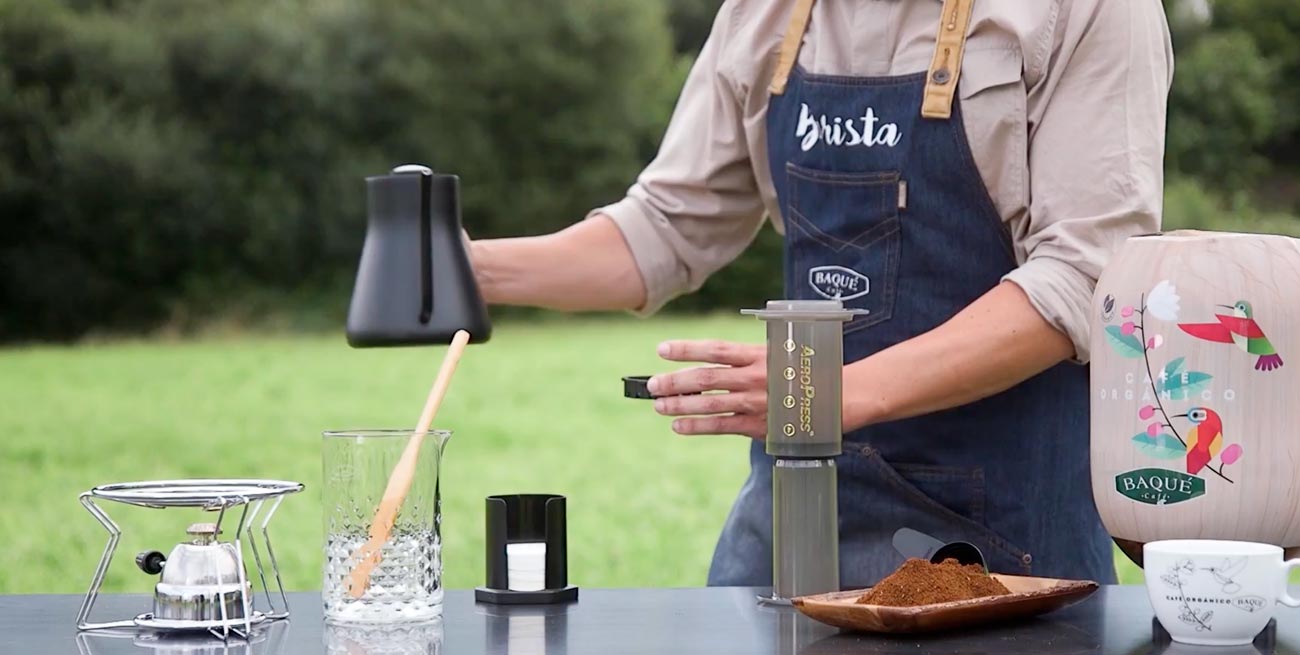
(885, 210)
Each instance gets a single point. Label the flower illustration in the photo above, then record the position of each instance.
(1162, 302)
(1231, 454)
(1174, 578)
(1161, 438)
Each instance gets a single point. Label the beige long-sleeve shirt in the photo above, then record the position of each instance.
(1063, 102)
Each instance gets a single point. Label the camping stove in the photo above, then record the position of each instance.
(204, 585)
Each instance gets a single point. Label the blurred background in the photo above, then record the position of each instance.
(182, 201)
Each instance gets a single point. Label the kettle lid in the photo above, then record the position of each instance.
(412, 168)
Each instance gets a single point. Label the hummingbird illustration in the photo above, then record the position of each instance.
(1204, 440)
(1238, 328)
(1225, 573)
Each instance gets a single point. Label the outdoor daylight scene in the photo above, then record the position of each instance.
(649, 326)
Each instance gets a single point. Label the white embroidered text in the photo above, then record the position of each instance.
(865, 130)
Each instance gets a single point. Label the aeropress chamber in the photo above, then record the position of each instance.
(805, 364)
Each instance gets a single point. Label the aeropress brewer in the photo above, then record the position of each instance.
(805, 365)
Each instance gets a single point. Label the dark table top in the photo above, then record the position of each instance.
(716, 621)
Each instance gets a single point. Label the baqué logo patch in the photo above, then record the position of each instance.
(1155, 486)
(838, 282)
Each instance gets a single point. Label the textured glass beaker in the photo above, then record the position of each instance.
(406, 584)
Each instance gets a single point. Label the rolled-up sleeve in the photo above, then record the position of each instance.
(696, 207)
(1096, 152)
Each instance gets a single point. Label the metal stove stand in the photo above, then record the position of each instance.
(249, 497)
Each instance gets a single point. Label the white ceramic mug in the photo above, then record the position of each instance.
(1218, 593)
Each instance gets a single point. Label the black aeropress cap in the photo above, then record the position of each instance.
(636, 386)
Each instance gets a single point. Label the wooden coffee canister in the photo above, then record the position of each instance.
(1196, 390)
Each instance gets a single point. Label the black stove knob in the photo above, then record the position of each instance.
(150, 561)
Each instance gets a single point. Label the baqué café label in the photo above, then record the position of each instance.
(1159, 486)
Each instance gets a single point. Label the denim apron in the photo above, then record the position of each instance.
(885, 209)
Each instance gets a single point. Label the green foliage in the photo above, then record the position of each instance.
(691, 22)
(1222, 110)
(1232, 120)
(1273, 25)
(1189, 205)
(157, 150)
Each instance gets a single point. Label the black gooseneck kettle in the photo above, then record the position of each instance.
(414, 282)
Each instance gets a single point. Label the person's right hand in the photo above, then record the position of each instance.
(739, 369)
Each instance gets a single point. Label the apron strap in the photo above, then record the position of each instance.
(790, 45)
(945, 68)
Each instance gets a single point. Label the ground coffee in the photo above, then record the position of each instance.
(918, 582)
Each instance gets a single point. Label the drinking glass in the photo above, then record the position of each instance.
(406, 585)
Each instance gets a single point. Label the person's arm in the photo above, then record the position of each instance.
(692, 210)
(1096, 151)
(988, 347)
(586, 267)
(994, 344)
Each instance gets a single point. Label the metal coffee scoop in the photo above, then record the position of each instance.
(911, 543)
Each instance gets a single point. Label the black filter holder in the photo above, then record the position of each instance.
(519, 518)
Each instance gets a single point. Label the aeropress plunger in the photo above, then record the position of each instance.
(805, 364)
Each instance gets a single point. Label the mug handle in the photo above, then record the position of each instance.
(1286, 598)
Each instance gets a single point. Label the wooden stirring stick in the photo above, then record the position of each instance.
(399, 482)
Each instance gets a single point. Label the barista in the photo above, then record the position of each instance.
(965, 189)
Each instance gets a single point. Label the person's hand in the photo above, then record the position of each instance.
(738, 369)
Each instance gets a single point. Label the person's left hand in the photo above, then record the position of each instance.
(738, 369)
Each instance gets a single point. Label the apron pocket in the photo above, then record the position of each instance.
(963, 488)
(958, 489)
(844, 237)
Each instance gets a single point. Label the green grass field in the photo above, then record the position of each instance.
(539, 409)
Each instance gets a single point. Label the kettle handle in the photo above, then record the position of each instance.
(426, 237)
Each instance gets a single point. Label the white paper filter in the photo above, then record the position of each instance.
(526, 566)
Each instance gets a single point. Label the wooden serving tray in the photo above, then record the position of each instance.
(1029, 597)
